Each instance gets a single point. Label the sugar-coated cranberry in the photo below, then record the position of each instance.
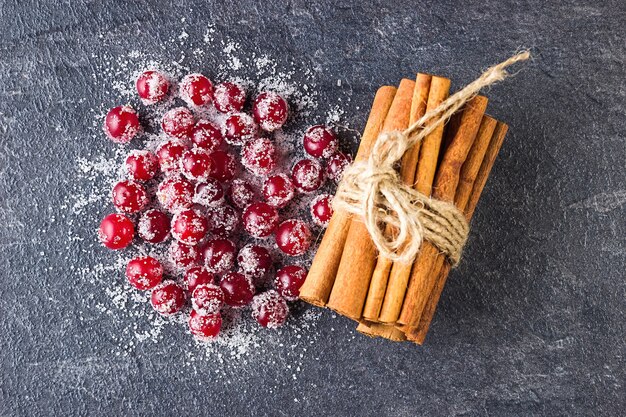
(293, 237)
(121, 124)
(168, 298)
(219, 255)
(129, 196)
(169, 154)
(321, 209)
(241, 193)
(307, 175)
(229, 97)
(224, 166)
(144, 272)
(183, 256)
(209, 193)
(153, 226)
(195, 164)
(288, 281)
(270, 309)
(320, 141)
(141, 165)
(189, 227)
(238, 128)
(207, 299)
(152, 87)
(258, 156)
(205, 327)
(254, 261)
(336, 165)
(195, 276)
(178, 122)
(116, 231)
(206, 135)
(270, 111)
(260, 219)
(175, 193)
(222, 220)
(196, 90)
(278, 190)
(238, 289)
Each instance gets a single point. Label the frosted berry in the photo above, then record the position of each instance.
(144, 272)
(129, 196)
(260, 219)
(207, 299)
(278, 190)
(121, 124)
(153, 226)
(219, 255)
(270, 111)
(116, 231)
(320, 141)
(196, 90)
(224, 166)
(258, 156)
(269, 309)
(175, 193)
(168, 298)
(288, 281)
(183, 256)
(307, 175)
(241, 193)
(195, 276)
(229, 97)
(238, 128)
(169, 154)
(189, 227)
(205, 327)
(222, 220)
(254, 261)
(152, 87)
(293, 237)
(195, 164)
(238, 289)
(336, 165)
(209, 193)
(141, 165)
(206, 135)
(178, 122)
(321, 209)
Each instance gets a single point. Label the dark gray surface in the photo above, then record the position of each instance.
(532, 323)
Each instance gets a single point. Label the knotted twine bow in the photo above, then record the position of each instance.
(373, 189)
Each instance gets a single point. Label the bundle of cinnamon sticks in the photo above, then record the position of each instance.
(397, 301)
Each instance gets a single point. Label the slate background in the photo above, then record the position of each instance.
(532, 323)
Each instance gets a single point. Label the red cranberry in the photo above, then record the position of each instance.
(260, 219)
(336, 165)
(144, 272)
(152, 87)
(270, 309)
(238, 128)
(121, 124)
(189, 227)
(254, 261)
(321, 209)
(207, 299)
(224, 166)
(116, 231)
(320, 141)
(196, 90)
(278, 190)
(195, 276)
(141, 165)
(168, 298)
(288, 281)
(169, 154)
(259, 156)
(219, 255)
(153, 226)
(209, 193)
(178, 122)
(205, 327)
(129, 196)
(293, 237)
(229, 97)
(223, 220)
(195, 164)
(238, 289)
(175, 193)
(206, 135)
(270, 111)
(307, 175)
(183, 256)
(241, 193)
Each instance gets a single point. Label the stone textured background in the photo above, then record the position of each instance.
(532, 323)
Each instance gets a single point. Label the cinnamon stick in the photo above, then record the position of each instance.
(319, 282)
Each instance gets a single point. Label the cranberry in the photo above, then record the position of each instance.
(229, 97)
(223, 220)
(260, 219)
(196, 90)
(144, 272)
(293, 237)
(175, 193)
(141, 165)
(206, 135)
(195, 164)
(288, 281)
(238, 128)
(336, 165)
(241, 193)
(195, 276)
(121, 124)
(270, 309)
(224, 166)
(219, 255)
(129, 196)
(209, 193)
(278, 190)
(178, 122)
(170, 153)
(116, 231)
(259, 156)
(153, 226)
(207, 299)
(307, 175)
(168, 298)
(189, 227)
(270, 111)
(205, 327)
(238, 289)
(152, 87)
(254, 261)
(183, 256)
(320, 141)
(321, 209)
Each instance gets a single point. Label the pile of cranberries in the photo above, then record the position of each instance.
(190, 190)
